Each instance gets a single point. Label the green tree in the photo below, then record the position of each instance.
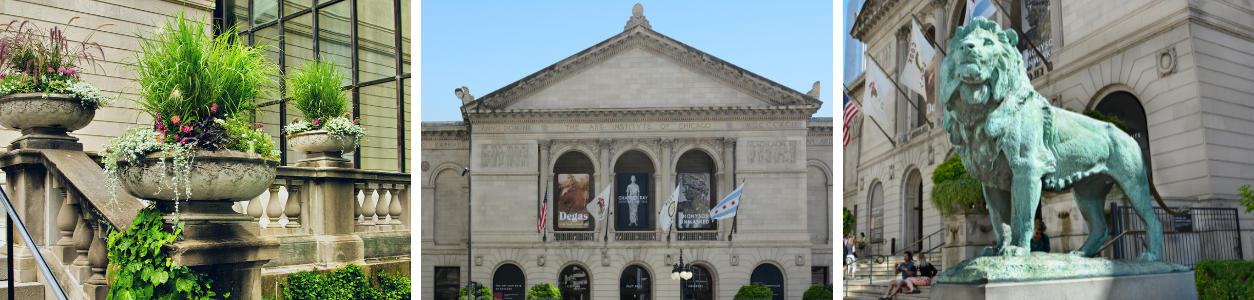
(850, 219)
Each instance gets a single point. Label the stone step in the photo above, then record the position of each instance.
(876, 294)
(23, 290)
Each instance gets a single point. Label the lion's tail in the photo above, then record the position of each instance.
(1154, 192)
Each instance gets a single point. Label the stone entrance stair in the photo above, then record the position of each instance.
(863, 290)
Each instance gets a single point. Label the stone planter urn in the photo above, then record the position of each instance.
(44, 120)
(218, 180)
(322, 149)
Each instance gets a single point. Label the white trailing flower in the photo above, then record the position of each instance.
(136, 143)
(90, 94)
(298, 127)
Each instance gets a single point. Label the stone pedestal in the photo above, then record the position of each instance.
(965, 235)
(46, 138)
(1158, 286)
(224, 245)
(325, 160)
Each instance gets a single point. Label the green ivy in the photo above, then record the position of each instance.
(1224, 279)
(817, 292)
(344, 284)
(953, 189)
(144, 271)
(1247, 198)
(544, 291)
(755, 291)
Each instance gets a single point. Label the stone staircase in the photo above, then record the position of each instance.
(866, 289)
(23, 290)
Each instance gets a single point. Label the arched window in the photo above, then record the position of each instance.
(509, 283)
(451, 200)
(572, 189)
(769, 276)
(694, 171)
(819, 215)
(1128, 108)
(913, 206)
(635, 284)
(876, 221)
(573, 282)
(700, 287)
(633, 172)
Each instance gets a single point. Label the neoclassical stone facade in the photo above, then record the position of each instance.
(644, 105)
(1176, 72)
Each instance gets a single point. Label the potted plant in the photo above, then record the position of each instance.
(41, 90)
(203, 146)
(328, 131)
(545, 291)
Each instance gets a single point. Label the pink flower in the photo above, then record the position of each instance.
(213, 108)
(50, 70)
(184, 140)
(61, 70)
(160, 127)
(72, 71)
(175, 119)
(186, 129)
(354, 121)
(315, 121)
(295, 119)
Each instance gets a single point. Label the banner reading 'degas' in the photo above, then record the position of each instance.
(572, 200)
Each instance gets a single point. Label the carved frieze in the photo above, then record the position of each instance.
(783, 152)
(561, 145)
(508, 155)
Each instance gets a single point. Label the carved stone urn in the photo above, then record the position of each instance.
(45, 120)
(218, 179)
(322, 149)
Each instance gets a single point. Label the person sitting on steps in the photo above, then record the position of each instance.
(926, 272)
(907, 270)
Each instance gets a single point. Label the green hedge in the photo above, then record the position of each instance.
(545, 291)
(346, 283)
(954, 190)
(755, 291)
(487, 293)
(817, 292)
(1229, 279)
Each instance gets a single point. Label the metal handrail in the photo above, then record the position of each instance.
(1113, 240)
(30, 243)
(917, 242)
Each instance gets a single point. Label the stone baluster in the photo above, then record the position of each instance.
(83, 236)
(384, 207)
(67, 218)
(254, 209)
(293, 203)
(396, 210)
(357, 187)
(275, 207)
(368, 206)
(98, 257)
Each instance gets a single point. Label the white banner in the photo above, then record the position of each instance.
(920, 71)
(875, 92)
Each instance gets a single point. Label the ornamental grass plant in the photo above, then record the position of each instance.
(33, 60)
(315, 91)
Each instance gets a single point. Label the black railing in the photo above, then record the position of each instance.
(15, 224)
(1200, 234)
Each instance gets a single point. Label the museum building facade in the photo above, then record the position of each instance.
(1179, 74)
(641, 114)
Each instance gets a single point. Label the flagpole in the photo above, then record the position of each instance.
(544, 198)
(742, 201)
(898, 86)
(877, 124)
(608, 216)
(1024, 37)
(928, 38)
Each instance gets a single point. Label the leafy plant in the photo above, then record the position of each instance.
(394, 287)
(304, 285)
(1224, 279)
(954, 190)
(1112, 120)
(817, 292)
(849, 221)
(32, 61)
(755, 291)
(144, 271)
(344, 284)
(1247, 198)
(315, 90)
(544, 291)
(487, 293)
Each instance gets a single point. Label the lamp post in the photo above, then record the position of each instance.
(681, 272)
(463, 94)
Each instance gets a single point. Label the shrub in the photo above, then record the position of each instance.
(850, 219)
(37, 61)
(545, 291)
(1247, 198)
(1224, 279)
(953, 189)
(487, 293)
(394, 287)
(817, 292)
(755, 291)
(344, 284)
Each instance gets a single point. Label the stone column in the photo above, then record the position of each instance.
(98, 259)
(546, 181)
(668, 176)
(727, 181)
(394, 209)
(607, 176)
(367, 207)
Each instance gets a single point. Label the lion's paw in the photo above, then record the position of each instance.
(1013, 251)
(1147, 257)
(989, 251)
(1077, 253)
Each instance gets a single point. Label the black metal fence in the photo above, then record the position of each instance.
(1201, 234)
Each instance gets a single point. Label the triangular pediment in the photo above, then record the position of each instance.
(641, 68)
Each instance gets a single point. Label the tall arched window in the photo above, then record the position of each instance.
(876, 220)
(572, 189)
(1128, 108)
(509, 283)
(635, 284)
(694, 171)
(633, 172)
(912, 229)
(451, 199)
(573, 282)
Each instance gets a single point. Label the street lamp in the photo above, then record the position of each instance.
(681, 270)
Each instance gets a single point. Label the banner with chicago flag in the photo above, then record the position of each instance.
(727, 207)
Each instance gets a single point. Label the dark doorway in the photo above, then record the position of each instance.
(447, 282)
(635, 284)
(1128, 108)
(769, 276)
(509, 283)
(700, 287)
(573, 282)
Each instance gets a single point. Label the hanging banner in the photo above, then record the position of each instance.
(1037, 27)
(633, 208)
(694, 207)
(919, 75)
(572, 201)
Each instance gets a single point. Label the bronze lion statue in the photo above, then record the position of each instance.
(1016, 144)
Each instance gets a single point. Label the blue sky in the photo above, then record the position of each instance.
(486, 45)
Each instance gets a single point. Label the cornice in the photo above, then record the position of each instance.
(873, 11)
(789, 112)
(646, 39)
(445, 135)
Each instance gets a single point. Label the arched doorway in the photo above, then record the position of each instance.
(633, 172)
(875, 222)
(818, 212)
(573, 282)
(694, 171)
(1127, 108)
(912, 225)
(635, 284)
(572, 189)
(769, 276)
(509, 283)
(700, 287)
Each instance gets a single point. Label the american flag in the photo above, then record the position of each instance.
(850, 111)
(544, 211)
